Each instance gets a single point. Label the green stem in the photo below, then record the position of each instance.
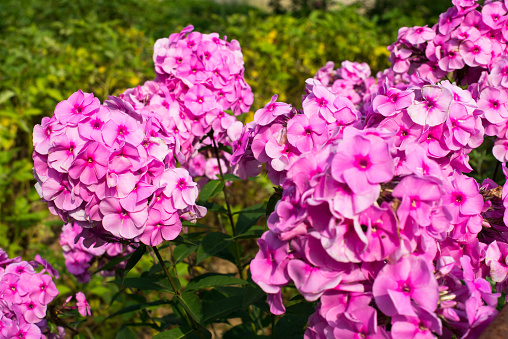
(195, 325)
(230, 215)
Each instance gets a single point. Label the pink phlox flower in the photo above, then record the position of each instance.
(476, 53)
(418, 162)
(499, 74)
(199, 100)
(425, 326)
(306, 133)
(433, 141)
(91, 164)
(76, 108)
(60, 191)
(33, 311)
(393, 101)
(360, 323)
(399, 59)
(191, 71)
(122, 222)
(269, 267)
(122, 129)
(462, 197)
(496, 257)
(43, 289)
(13, 288)
(319, 101)
(419, 197)
(405, 287)
(362, 162)
(44, 134)
(465, 32)
(312, 281)
(82, 304)
(418, 35)
(244, 100)
(449, 20)
(493, 14)
(451, 58)
(432, 107)
(158, 229)
(379, 228)
(64, 150)
(91, 127)
(127, 158)
(271, 111)
(141, 191)
(476, 284)
(179, 186)
(326, 73)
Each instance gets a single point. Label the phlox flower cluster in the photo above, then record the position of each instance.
(471, 42)
(199, 78)
(79, 257)
(377, 221)
(24, 297)
(111, 168)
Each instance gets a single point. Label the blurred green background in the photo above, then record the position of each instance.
(51, 48)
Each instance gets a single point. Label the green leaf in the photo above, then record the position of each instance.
(139, 283)
(191, 303)
(125, 333)
(182, 251)
(211, 189)
(136, 307)
(253, 293)
(175, 333)
(113, 262)
(270, 206)
(211, 280)
(211, 206)
(211, 244)
(231, 177)
(221, 308)
(183, 333)
(6, 95)
(290, 326)
(248, 219)
(133, 260)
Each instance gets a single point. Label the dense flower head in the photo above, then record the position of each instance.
(25, 292)
(376, 209)
(104, 169)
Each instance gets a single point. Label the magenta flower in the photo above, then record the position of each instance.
(121, 222)
(158, 229)
(477, 53)
(76, 108)
(493, 15)
(417, 35)
(392, 102)
(82, 304)
(405, 287)
(120, 129)
(433, 108)
(419, 196)
(91, 164)
(462, 197)
(362, 162)
(200, 100)
(306, 133)
(320, 101)
(269, 267)
(180, 187)
(271, 111)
